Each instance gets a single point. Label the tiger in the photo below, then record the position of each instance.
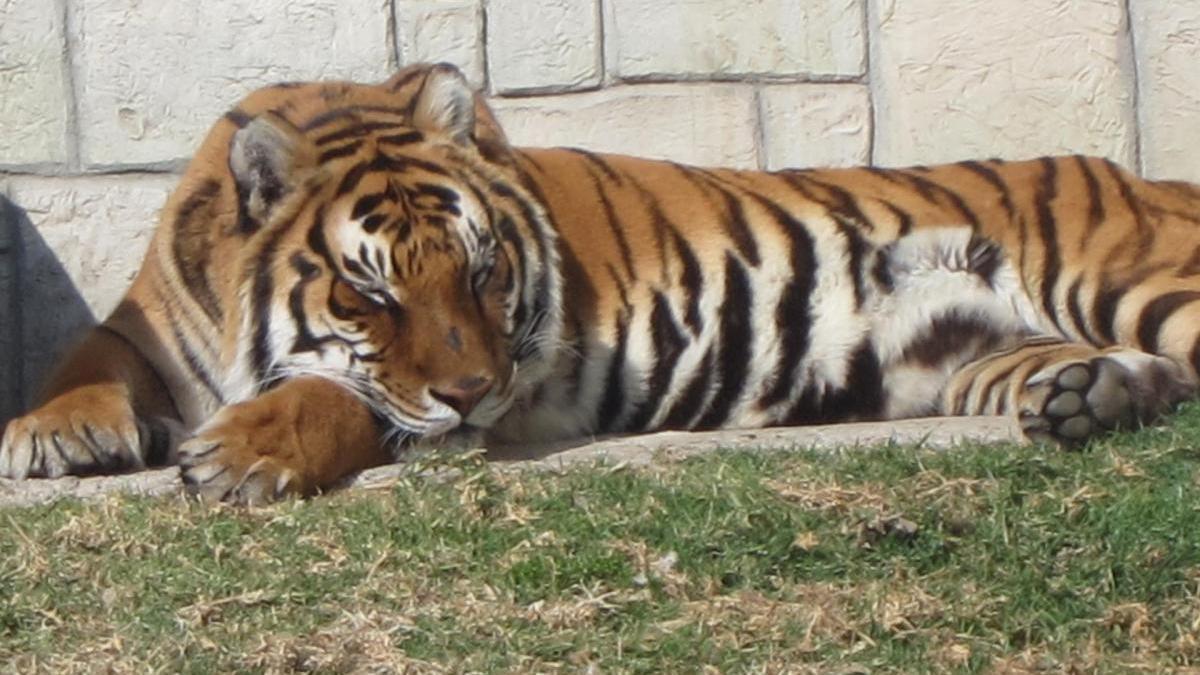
(348, 271)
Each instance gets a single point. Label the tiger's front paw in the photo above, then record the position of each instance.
(89, 430)
(249, 454)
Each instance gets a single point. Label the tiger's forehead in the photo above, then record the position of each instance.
(405, 229)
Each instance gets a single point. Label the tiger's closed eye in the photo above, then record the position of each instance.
(481, 275)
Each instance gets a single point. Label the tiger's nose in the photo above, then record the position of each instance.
(463, 394)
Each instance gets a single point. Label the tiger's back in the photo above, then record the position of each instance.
(894, 280)
(346, 270)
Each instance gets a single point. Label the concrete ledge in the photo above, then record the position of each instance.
(935, 433)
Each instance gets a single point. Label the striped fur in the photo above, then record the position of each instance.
(378, 261)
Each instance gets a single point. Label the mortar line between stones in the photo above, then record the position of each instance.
(869, 47)
(74, 142)
(485, 56)
(760, 128)
(1137, 90)
(393, 37)
(601, 44)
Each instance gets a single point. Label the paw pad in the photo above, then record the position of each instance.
(1068, 403)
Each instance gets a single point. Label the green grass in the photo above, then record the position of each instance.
(985, 559)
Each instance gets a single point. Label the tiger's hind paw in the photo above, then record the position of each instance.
(1068, 402)
(86, 431)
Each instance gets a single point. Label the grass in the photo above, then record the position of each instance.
(985, 559)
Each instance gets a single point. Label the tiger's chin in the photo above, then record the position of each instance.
(462, 438)
(447, 432)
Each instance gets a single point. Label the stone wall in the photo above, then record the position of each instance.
(102, 100)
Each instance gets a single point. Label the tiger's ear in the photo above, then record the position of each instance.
(445, 104)
(265, 156)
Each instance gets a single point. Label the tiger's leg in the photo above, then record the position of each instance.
(297, 438)
(104, 409)
(1066, 392)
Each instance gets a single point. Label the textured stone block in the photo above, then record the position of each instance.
(82, 242)
(33, 85)
(679, 38)
(961, 78)
(154, 76)
(1167, 36)
(543, 45)
(442, 31)
(712, 125)
(813, 125)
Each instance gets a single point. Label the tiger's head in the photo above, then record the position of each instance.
(396, 251)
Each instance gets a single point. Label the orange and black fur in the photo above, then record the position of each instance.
(346, 270)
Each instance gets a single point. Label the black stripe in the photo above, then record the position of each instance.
(904, 219)
(305, 340)
(613, 401)
(507, 231)
(352, 178)
(688, 405)
(660, 224)
(352, 112)
(541, 295)
(1190, 268)
(355, 131)
(191, 246)
(793, 313)
(439, 192)
(862, 397)
(405, 138)
(856, 249)
(339, 152)
(1109, 296)
(612, 220)
(193, 362)
(403, 164)
(447, 198)
(1095, 201)
(1131, 202)
(366, 205)
(1156, 313)
(997, 379)
(669, 342)
(691, 280)
(1075, 307)
(950, 336)
(1104, 312)
(599, 163)
(372, 223)
(888, 175)
(845, 205)
(736, 339)
(929, 189)
(1047, 192)
(621, 286)
(385, 164)
(993, 178)
(881, 271)
(735, 222)
(261, 293)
